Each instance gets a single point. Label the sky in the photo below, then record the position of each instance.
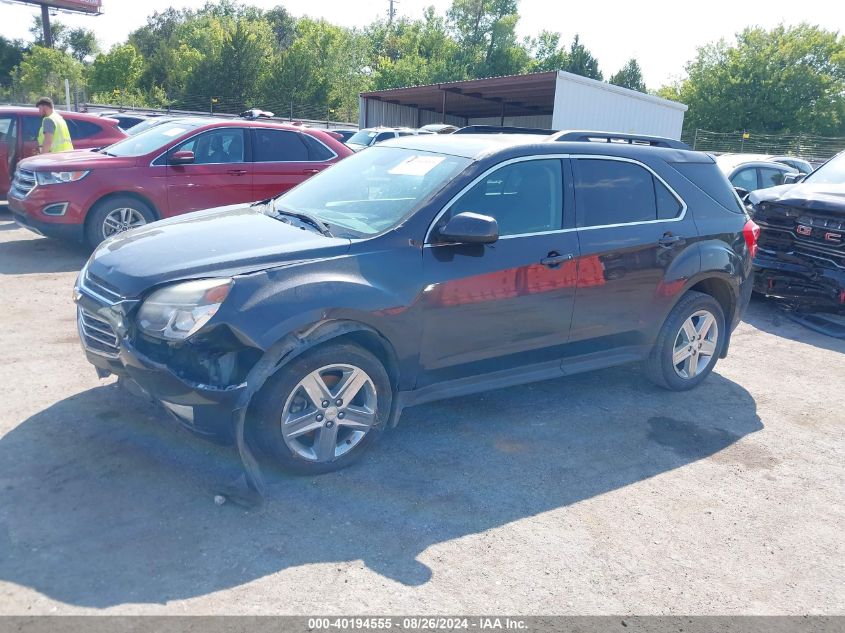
(661, 35)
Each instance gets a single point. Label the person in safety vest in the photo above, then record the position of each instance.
(53, 135)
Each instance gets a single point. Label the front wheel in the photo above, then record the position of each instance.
(323, 410)
(114, 216)
(689, 343)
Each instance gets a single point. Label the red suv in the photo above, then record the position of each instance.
(86, 130)
(176, 167)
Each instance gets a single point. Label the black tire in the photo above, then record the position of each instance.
(271, 401)
(94, 224)
(659, 366)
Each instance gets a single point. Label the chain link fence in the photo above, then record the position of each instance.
(815, 149)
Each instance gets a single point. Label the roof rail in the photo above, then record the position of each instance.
(586, 136)
(496, 129)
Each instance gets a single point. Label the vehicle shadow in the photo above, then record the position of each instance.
(104, 502)
(771, 316)
(39, 255)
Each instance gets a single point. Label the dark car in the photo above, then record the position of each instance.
(802, 241)
(125, 120)
(181, 165)
(750, 175)
(19, 129)
(345, 134)
(426, 267)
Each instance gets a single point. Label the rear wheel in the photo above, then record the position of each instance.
(689, 343)
(323, 410)
(114, 216)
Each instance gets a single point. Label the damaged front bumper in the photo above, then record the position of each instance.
(798, 280)
(205, 409)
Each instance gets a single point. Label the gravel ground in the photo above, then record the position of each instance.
(596, 494)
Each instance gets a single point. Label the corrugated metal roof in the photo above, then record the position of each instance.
(521, 95)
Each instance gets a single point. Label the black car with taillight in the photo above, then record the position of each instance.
(801, 254)
(425, 267)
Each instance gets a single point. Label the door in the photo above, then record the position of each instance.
(507, 304)
(220, 174)
(8, 150)
(631, 227)
(283, 159)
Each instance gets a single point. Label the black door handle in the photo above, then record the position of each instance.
(555, 259)
(670, 241)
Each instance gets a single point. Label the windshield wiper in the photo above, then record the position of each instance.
(307, 218)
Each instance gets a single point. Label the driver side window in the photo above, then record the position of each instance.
(222, 146)
(523, 197)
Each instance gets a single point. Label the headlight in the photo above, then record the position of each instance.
(178, 311)
(58, 177)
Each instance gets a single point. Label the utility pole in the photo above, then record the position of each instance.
(45, 26)
(391, 13)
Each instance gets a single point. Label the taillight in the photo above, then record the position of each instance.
(751, 233)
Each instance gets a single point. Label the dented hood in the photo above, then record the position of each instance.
(826, 198)
(217, 242)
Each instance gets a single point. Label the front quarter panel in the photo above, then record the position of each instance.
(374, 284)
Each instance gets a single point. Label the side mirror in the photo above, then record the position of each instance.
(469, 228)
(181, 158)
(790, 179)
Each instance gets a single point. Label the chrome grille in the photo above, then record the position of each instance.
(99, 288)
(23, 183)
(97, 335)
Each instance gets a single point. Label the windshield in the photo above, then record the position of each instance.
(364, 137)
(831, 173)
(372, 191)
(151, 139)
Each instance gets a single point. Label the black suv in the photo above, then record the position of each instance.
(802, 243)
(422, 268)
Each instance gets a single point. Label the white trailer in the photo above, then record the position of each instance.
(587, 104)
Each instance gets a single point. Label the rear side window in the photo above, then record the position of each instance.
(619, 192)
(383, 136)
(82, 129)
(316, 150)
(275, 146)
(710, 179)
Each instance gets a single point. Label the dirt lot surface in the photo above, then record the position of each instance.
(597, 494)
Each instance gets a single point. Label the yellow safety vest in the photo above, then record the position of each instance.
(61, 136)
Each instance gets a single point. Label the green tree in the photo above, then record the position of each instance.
(82, 44)
(548, 54)
(118, 70)
(58, 31)
(580, 61)
(11, 54)
(412, 52)
(630, 76)
(788, 79)
(324, 68)
(485, 31)
(42, 71)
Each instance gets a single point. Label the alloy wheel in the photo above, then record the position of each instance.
(329, 412)
(122, 219)
(695, 345)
